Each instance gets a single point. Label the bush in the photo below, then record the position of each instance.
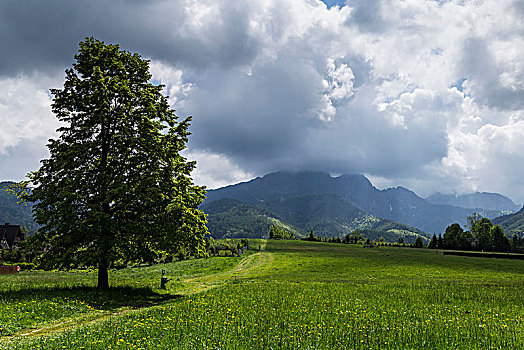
(279, 232)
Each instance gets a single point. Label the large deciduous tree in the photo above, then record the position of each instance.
(115, 185)
(456, 238)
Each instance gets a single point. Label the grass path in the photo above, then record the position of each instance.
(248, 266)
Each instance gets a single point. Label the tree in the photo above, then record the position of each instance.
(433, 243)
(454, 236)
(440, 242)
(115, 185)
(499, 241)
(515, 242)
(480, 229)
(311, 237)
(418, 242)
(245, 242)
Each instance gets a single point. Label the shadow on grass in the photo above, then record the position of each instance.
(110, 299)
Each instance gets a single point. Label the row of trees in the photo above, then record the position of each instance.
(482, 235)
(356, 237)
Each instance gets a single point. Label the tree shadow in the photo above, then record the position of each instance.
(109, 299)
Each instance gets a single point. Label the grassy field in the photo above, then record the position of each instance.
(290, 295)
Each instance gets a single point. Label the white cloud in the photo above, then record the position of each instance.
(26, 123)
(25, 112)
(171, 77)
(216, 170)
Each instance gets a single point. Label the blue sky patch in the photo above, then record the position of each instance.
(331, 3)
(458, 84)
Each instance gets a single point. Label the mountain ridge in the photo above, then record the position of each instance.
(327, 214)
(398, 204)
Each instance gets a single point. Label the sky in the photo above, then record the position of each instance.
(428, 95)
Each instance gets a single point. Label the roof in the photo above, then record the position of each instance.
(9, 234)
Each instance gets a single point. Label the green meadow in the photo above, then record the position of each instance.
(288, 295)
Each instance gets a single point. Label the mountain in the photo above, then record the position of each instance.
(397, 204)
(512, 223)
(405, 206)
(484, 200)
(281, 184)
(14, 213)
(229, 218)
(328, 215)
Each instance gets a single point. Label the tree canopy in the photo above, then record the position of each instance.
(115, 185)
(482, 235)
(480, 228)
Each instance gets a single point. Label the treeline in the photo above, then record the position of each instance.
(357, 237)
(482, 236)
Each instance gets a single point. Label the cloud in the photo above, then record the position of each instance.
(26, 123)
(360, 87)
(367, 15)
(219, 170)
(45, 36)
(25, 111)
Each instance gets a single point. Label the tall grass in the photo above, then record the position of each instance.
(325, 296)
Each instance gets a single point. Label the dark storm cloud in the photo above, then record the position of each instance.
(255, 118)
(43, 36)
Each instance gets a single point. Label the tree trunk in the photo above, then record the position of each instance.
(103, 277)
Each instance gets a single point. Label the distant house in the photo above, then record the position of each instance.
(10, 236)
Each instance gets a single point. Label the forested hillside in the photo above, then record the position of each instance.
(229, 218)
(512, 223)
(329, 215)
